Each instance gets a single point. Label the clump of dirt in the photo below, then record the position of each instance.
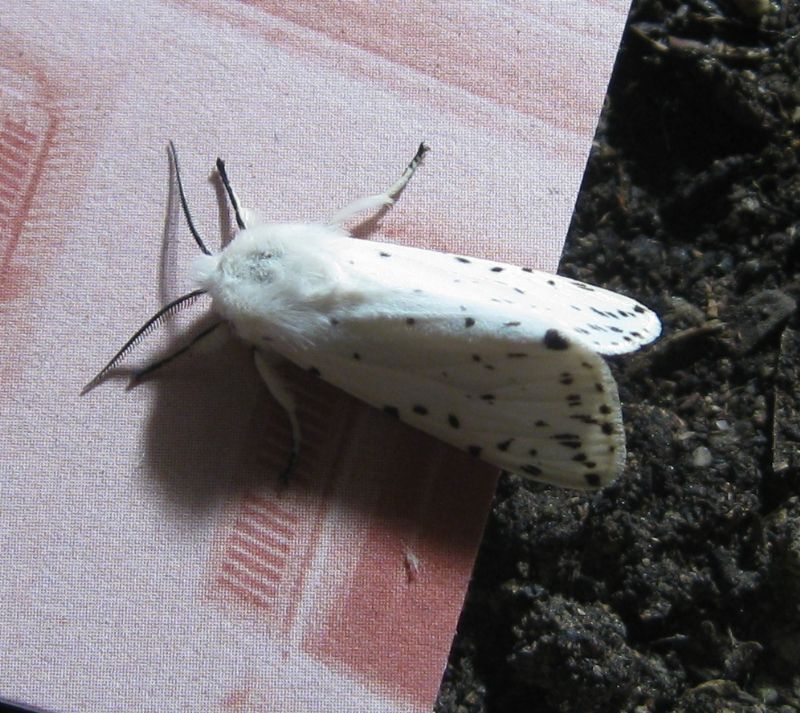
(677, 588)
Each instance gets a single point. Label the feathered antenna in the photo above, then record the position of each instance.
(179, 303)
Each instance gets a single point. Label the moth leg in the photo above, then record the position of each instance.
(279, 391)
(232, 197)
(380, 200)
(150, 368)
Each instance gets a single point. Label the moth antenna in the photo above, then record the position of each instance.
(223, 174)
(174, 154)
(145, 329)
(139, 375)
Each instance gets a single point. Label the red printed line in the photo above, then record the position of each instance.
(27, 127)
(13, 186)
(13, 169)
(269, 574)
(275, 559)
(13, 153)
(17, 133)
(243, 593)
(265, 539)
(267, 520)
(261, 528)
(244, 578)
(270, 505)
(14, 142)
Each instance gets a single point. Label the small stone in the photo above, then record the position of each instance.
(701, 457)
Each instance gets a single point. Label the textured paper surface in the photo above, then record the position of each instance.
(149, 560)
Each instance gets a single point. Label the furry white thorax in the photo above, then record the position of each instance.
(280, 280)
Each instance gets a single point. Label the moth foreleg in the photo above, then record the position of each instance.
(381, 200)
(278, 389)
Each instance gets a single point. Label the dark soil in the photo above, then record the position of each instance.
(678, 587)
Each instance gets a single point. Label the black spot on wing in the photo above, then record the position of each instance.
(592, 480)
(584, 418)
(553, 339)
(568, 440)
(531, 470)
(420, 409)
(505, 445)
(583, 286)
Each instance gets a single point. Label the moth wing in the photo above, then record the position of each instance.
(605, 321)
(499, 361)
(549, 414)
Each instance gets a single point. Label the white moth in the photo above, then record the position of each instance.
(500, 361)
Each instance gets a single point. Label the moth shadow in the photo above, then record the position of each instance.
(198, 428)
(215, 438)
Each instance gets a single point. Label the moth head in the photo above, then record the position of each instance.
(252, 257)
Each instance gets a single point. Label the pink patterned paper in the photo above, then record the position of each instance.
(150, 560)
